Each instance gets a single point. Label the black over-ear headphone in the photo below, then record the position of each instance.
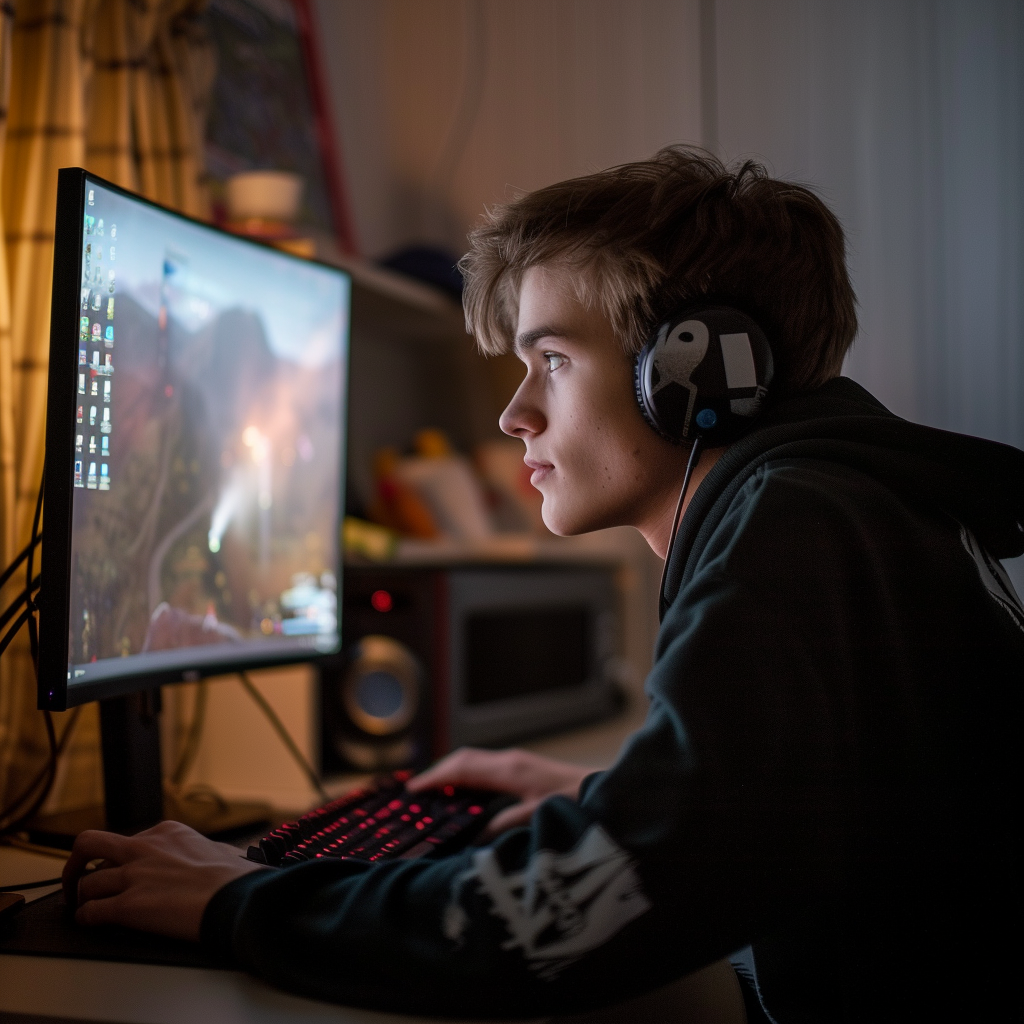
(704, 373)
(702, 377)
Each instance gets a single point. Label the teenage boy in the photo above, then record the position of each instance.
(829, 768)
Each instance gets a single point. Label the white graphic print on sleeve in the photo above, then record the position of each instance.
(561, 905)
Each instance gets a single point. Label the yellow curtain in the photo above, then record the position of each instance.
(117, 86)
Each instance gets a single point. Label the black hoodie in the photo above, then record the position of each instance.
(829, 770)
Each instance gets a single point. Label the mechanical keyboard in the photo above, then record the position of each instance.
(383, 822)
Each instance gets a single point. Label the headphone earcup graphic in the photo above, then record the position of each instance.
(705, 371)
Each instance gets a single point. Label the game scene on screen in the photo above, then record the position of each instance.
(208, 446)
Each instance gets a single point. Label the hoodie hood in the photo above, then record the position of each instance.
(979, 483)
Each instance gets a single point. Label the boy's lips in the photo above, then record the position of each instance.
(540, 470)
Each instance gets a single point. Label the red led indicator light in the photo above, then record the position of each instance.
(381, 601)
(448, 791)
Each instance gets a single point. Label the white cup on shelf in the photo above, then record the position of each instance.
(268, 195)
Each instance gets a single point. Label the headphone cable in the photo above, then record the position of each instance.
(690, 465)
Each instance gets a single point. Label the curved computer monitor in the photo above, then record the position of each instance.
(195, 445)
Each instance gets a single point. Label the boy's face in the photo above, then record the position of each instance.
(595, 460)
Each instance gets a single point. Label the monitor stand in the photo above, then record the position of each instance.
(133, 785)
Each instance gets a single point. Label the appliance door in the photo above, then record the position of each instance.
(532, 650)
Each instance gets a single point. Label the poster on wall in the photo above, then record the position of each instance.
(268, 111)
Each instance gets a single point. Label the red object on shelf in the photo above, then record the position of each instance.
(341, 212)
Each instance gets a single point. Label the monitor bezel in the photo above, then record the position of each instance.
(53, 691)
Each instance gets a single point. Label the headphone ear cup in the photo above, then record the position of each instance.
(704, 372)
(646, 408)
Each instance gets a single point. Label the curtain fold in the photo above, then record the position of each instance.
(9, 704)
(117, 86)
(45, 131)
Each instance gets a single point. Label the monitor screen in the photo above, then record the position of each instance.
(206, 449)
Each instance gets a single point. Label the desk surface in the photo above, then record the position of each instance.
(98, 990)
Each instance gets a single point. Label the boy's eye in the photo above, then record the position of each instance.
(554, 360)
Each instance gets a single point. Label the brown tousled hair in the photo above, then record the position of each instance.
(646, 239)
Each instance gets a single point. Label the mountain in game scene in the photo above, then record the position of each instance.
(206, 422)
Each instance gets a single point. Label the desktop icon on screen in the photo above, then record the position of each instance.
(81, 389)
(104, 477)
(105, 425)
(92, 415)
(110, 308)
(78, 473)
(90, 480)
(108, 336)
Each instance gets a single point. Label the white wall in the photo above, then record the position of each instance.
(445, 106)
(906, 115)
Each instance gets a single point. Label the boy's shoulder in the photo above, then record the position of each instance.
(835, 467)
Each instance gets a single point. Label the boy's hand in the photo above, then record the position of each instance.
(528, 776)
(159, 880)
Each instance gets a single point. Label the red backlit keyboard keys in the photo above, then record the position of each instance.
(383, 822)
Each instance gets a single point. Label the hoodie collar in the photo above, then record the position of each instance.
(980, 483)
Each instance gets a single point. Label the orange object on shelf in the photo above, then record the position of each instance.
(431, 443)
(278, 233)
(397, 506)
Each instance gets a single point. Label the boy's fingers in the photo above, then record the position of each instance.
(100, 884)
(478, 769)
(511, 817)
(102, 911)
(92, 845)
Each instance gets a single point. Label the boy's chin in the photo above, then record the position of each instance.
(564, 522)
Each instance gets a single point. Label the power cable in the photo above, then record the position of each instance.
(195, 730)
(13, 567)
(31, 885)
(18, 602)
(13, 631)
(48, 773)
(44, 779)
(695, 451)
(13, 806)
(285, 736)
